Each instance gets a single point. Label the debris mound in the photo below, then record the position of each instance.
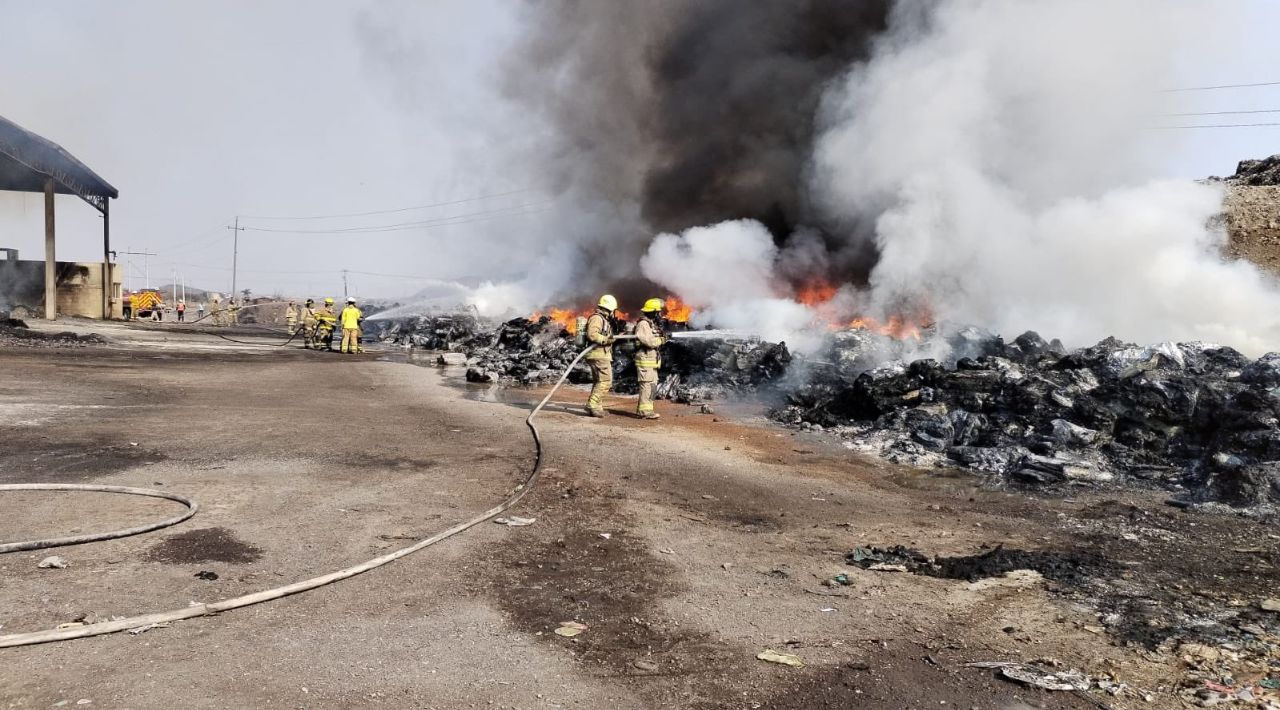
(1258, 172)
(16, 333)
(1179, 415)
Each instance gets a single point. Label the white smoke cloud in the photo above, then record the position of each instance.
(726, 272)
(999, 148)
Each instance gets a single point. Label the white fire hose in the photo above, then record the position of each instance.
(133, 622)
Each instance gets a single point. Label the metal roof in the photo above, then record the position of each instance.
(27, 160)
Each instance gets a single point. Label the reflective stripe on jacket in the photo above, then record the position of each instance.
(649, 342)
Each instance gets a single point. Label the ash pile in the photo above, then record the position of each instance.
(520, 351)
(441, 331)
(701, 370)
(14, 332)
(1190, 417)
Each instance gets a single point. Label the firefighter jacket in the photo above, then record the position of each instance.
(351, 317)
(649, 341)
(600, 333)
(324, 314)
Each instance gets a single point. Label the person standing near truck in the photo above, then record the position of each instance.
(127, 307)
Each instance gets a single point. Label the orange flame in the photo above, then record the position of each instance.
(566, 318)
(678, 311)
(896, 327)
(816, 292)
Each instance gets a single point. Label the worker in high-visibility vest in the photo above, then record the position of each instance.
(649, 337)
(351, 317)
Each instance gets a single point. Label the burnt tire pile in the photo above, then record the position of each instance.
(1198, 419)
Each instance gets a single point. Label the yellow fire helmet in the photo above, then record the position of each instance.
(653, 305)
(608, 302)
(328, 301)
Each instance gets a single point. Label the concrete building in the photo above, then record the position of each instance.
(30, 163)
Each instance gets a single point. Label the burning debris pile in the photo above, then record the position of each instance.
(539, 348)
(1190, 415)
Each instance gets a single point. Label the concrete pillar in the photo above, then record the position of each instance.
(106, 258)
(50, 260)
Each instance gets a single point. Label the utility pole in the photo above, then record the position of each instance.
(235, 254)
(344, 285)
(146, 268)
(175, 285)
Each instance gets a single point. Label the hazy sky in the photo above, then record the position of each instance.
(201, 111)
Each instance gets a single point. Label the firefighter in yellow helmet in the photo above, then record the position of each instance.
(326, 321)
(600, 359)
(351, 317)
(649, 338)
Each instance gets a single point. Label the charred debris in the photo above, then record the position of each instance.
(1197, 419)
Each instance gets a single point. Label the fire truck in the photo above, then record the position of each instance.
(145, 301)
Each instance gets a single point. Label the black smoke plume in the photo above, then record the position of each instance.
(689, 112)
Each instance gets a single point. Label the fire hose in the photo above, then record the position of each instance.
(207, 609)
(95, 537)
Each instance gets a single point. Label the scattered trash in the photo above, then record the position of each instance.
(1270, 683)
(206, 575)
(606, 535)
(785, 659)
(726, 566)
(148, 627)
(886, 567)
(706, 409)
(826, 609)
(646, 666)
(1037, 677)
(569, 629)
(1270, 605)
(71, 625)
(52, 562)
(515, 521)
(858, 666)
(667, 551)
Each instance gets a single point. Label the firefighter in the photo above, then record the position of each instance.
(308, 322)
(649, 337)
(351, 317)
(291, 317)
(127, 308)
(326, 321)
(600, 359)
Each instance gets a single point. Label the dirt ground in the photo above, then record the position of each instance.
(686, 546)
(1253, 224)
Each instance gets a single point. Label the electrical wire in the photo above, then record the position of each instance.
(398, 210)
(1222, 86)
(1221, 125)
(516, 210)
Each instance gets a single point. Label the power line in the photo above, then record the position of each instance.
(1221, 113)
(1223, 86)
(518, 210)
(1220, 125)
(401, 209)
